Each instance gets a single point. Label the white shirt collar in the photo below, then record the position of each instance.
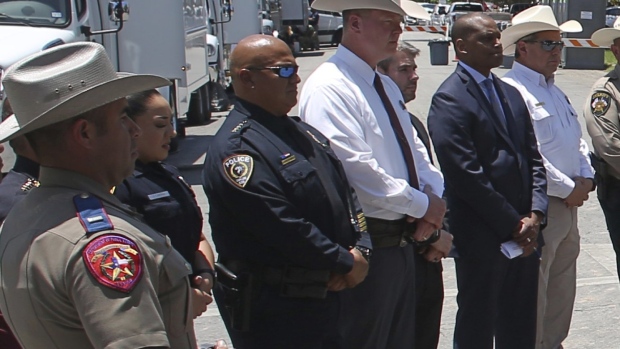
(534, 77)
(356, 64)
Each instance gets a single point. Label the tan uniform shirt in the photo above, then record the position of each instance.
(602, 119)
(53, 300)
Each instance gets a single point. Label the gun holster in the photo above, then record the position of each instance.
(238, 289)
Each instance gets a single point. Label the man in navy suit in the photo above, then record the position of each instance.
(496, 191)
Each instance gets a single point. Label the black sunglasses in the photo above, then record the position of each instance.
(549, 45)
(285, 71)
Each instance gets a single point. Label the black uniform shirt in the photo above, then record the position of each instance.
(168, 204)
(278, 195)
(16, 184)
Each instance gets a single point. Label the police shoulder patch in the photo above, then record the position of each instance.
(114, 261)
(238, 169)
(600, 103)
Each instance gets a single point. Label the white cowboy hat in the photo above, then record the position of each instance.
(606, 36)
(63, 82)
(401, 7)
(533, 20)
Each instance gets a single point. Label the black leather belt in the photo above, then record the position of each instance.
(293, 282)
(389, 233)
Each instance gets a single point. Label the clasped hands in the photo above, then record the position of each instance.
(201, 294)
(580, 193)
(526, 233)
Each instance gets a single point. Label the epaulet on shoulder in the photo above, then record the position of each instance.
(600, 83)
(91, 213)
(240, 126)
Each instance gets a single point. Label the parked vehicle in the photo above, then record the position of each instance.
(611, 14)
(163, 37)
(330, 27)
(516, 8)
(502, 19)
(438, 17)
(458, 9)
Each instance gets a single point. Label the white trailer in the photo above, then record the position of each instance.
(163, 37)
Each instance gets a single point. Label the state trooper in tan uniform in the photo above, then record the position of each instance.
(602, 114)
(78, 269)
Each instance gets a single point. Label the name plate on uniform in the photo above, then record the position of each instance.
(160, 195)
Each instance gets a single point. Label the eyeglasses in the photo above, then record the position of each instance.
(285, 71)
(549, 45)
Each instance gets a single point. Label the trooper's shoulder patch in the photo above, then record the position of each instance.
(600, 103)
(238, 169)
(114, 261)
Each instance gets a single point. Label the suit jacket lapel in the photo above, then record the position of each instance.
(508, 110)
(476, 91)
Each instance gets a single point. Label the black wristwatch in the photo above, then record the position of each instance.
(365, 251)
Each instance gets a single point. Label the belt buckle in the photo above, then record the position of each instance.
(403, 242)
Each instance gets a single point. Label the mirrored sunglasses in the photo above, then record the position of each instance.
(285, 71)
(549, 45)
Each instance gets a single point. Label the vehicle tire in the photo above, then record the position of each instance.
(199, 110)
(221, 101)
(337, 38)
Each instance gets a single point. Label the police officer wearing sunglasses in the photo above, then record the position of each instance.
(288, 229)
(569, 174)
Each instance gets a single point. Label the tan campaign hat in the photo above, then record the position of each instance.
(63, 82)
(533, 20)
(402, 7)
(606, 36)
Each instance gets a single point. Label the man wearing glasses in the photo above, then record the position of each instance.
(289, 231)
(538, 50)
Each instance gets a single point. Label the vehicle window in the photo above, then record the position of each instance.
(80, 6)
(614, 11)
(48, 13)
(467, 7)
(441, 10)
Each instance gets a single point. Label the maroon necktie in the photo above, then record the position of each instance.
(400, 134)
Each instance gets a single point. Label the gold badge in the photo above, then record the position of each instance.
(238, 169)
(600, 103)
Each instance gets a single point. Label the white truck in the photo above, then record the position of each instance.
(225, 32)
(163, 37)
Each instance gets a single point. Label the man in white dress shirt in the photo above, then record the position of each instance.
(361, 112)
(538, 49)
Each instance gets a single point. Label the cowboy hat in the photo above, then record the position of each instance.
(401, 7)
(606, 36)
(63, 82)
(533, 20)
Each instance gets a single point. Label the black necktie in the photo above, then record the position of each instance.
(400, 134)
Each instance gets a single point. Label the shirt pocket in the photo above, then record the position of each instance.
(543, 125)
(175, 300)
(303, 183)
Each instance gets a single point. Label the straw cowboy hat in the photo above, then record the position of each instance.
(533, 20)
(606, 36)
(63, 82)
(401, 7)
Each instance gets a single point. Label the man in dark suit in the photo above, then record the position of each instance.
(496, 190)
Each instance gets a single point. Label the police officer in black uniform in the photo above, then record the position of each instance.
(159, 192)
(14, 187)
(288, 229)
(24, 174)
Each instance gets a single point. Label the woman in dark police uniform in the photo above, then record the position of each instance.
(158, 191)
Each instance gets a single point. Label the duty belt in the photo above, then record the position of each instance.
(291, 281)
(389, 233)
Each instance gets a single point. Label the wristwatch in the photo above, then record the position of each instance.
(365, 251)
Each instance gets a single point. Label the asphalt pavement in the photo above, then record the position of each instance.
(596, 315)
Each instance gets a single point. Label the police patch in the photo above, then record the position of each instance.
(600, 103)
(114, 261)
(238, 169)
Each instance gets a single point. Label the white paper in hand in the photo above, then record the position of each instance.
(511, 249)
